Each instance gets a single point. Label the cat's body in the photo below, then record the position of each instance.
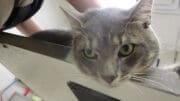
(111, 44)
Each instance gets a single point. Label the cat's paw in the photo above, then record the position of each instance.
(177, 69)
(174, 68)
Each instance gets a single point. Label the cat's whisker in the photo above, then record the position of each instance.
(158, 76)
(138, 89)
(154, 83)
(136, 79)
(155, 77)
(139, 73)
(84, 36)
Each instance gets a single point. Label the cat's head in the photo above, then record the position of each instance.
(112, 44)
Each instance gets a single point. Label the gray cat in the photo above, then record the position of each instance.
(112, 45)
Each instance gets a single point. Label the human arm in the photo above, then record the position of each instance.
(28, 27)
(83, 5)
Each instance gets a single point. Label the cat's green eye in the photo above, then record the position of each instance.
(126, 50)
(88, 53)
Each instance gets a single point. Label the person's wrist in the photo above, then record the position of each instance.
(83, 5)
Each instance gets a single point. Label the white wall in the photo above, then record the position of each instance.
(168, 29)
(165, 21)
(51, 16)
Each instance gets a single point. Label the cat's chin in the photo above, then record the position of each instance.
(116, 83)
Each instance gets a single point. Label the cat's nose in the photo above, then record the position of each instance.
(109, 79)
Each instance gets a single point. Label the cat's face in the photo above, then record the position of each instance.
(113, 44)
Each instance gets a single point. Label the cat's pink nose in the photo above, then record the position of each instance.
(109, 79)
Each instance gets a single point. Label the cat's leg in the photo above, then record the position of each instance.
(54, 36)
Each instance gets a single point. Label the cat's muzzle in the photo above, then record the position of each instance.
(109, 79)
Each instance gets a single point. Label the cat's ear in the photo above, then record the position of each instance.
(74, 17)
(142, 11)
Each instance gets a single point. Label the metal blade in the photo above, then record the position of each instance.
(86, 94)
(39, 46)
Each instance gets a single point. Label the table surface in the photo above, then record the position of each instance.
(48, 78)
